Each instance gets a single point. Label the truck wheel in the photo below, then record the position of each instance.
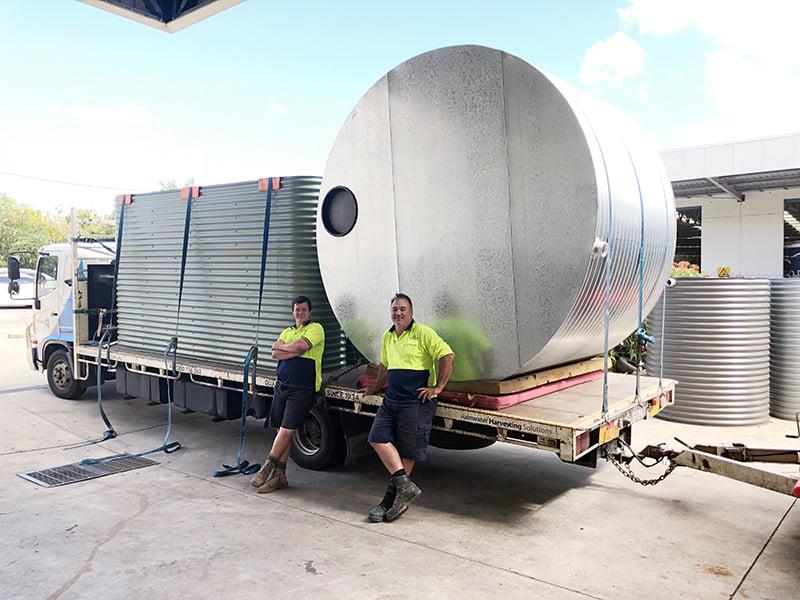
(60, 378)
(319, 443)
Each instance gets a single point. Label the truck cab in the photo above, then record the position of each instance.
(59, 288)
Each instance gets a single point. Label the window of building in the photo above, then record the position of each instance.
(791, 237)
(689, 230)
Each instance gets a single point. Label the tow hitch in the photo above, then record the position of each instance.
(726, 461)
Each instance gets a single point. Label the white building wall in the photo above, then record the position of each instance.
(745, 236)
(718, 160)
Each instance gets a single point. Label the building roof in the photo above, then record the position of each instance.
(737, 185)
(735, 168)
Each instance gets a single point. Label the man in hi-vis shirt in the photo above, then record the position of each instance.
(299, 353)
(410, 355)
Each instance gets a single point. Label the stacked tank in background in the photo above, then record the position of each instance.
(220, 298)
(785, 348)
(716, 343)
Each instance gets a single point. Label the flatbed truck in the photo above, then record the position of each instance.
(73, 301)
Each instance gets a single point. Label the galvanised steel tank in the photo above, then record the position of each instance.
(483, 188)
(784, 379)
(220, 297)
(716, 344)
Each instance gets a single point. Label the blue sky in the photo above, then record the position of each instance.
(262, 88)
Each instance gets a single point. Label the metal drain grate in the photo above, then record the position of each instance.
(77, 472)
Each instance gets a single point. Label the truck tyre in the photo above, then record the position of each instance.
(60, 377)
(319, 443)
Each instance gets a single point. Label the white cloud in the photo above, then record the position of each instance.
(612, 61)
(752, 100)
(765, 31)
(641, 94)
(274, 107)
(659, 17)
(753, 74)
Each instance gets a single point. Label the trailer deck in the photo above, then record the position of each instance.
(568, 422)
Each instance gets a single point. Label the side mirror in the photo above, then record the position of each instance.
(13, 288)
(13, 268)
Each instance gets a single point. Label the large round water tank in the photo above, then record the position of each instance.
(483, 188)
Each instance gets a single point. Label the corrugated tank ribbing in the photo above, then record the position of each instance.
(716, 344)
(784, 392)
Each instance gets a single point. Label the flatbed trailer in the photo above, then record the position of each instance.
(567, 422)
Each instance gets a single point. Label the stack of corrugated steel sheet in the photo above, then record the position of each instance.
(219, 309)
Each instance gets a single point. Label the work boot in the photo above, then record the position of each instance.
(276, 482)
(264, 472)
(406, 492)
(378, 514)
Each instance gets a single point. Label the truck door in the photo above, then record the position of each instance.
(47, 303)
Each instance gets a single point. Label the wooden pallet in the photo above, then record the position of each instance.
(526, 382)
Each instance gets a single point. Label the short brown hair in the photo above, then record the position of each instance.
(402, 296)
(301, 300)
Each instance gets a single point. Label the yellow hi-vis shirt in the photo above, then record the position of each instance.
(411, 359)
(304, 371)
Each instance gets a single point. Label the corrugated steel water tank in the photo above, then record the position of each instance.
(784, 379)
(220, 297)
(716, 344)
(479, 185)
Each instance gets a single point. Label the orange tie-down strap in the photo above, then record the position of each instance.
(185, 192)
(264, 182)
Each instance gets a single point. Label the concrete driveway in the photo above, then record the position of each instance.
(501, 521)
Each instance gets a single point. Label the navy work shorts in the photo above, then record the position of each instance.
(290, 406)
(405, 423)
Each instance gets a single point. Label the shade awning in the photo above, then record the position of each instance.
(166, 15)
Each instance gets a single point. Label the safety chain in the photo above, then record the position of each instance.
(628, 472)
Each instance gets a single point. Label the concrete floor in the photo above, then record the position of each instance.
(502, 521)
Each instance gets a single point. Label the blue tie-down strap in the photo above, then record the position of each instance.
(108, 434)
(242, 466)
(166, 446)
(642, 335)
(251, 360)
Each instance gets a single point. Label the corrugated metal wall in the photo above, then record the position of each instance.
(220, 297)
(716, 344)
(784, 380)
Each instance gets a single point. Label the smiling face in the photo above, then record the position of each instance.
(301, 313)
(402, 314)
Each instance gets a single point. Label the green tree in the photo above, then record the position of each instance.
(170, 185)
(23, 230)
(91, 224)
